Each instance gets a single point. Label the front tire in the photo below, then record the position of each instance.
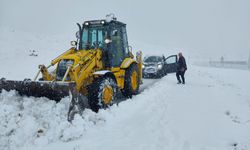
(102, 93)
(160, 74)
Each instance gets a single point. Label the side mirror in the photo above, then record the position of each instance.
(78, 35)
(73, 43)
(163, 58)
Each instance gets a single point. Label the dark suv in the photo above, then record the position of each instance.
(158, 66)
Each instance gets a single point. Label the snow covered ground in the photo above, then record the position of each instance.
(210, 112)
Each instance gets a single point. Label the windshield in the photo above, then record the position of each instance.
(153, 59)
(94, 37)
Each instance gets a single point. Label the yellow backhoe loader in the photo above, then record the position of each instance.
(99, 64)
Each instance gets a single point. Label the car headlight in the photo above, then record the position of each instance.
(143, 66)
(159, 66)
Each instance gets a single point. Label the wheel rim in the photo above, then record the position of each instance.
(134, 80)
(107, 94)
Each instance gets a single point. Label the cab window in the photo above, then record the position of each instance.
(93, 38)
(125, 41)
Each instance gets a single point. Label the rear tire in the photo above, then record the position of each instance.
(132, 81)
(102, 93)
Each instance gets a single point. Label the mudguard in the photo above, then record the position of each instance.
(127, 62)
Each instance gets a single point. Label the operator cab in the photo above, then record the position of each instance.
(109, 36)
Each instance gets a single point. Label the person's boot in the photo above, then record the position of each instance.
(183, 80)
(179, 81)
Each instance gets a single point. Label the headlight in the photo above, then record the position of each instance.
(143, 66)
(86, 23)
(159, 66)
(102, 22)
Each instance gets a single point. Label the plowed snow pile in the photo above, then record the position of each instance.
(25, 121)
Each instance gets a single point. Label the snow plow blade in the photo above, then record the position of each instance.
(52, 90)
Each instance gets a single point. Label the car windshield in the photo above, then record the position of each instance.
(153, 59)
(93, 37)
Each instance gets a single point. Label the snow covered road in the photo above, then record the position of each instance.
(210, 112)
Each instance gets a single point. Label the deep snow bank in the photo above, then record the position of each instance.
(39, 121)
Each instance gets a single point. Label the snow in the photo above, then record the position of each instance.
(210, 112)
(38, 121)
(101, 72)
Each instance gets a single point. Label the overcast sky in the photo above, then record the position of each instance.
(207, 27)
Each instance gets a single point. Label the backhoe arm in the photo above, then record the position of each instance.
(45, 73)
(44, 70)
(56, 60)
(82, 73)
(139, 60)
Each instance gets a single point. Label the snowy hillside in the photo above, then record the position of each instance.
(21, 52)
(210, 112)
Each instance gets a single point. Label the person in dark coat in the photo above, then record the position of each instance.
(181, 68)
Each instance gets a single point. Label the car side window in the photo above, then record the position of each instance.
(171, 60)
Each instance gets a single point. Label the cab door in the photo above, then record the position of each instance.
(171, 64)
(117, 47)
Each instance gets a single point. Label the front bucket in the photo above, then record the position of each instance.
(52, 90)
